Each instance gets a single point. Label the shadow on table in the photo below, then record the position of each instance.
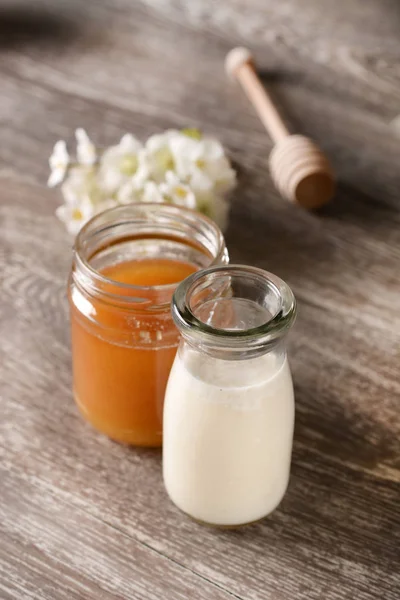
(355, 206)
(24, 25)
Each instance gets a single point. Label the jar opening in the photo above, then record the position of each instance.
(236, 306)
(137, 232)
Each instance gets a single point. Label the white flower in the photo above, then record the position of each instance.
(177, 167)
(58, 161)
(105, 205)
(75, 215)
(121, 163)
(203, 164)
(214, 206)
(152, 192)
(177, 192)
(220, 212)
(129, 192)
(81, 184)
(159, 154)
(85, 149)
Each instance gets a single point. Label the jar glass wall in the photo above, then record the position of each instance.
(127, 263)
(229, 405)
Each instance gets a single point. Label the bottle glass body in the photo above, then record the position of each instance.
(229, 406)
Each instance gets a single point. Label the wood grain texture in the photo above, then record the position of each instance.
(82, 517)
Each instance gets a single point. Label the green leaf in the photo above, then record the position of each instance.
(192, 132)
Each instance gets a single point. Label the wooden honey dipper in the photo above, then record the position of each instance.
(300, 170)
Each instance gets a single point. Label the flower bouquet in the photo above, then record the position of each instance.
(179, 167)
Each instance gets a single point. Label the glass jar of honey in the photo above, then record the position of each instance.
(127, 263)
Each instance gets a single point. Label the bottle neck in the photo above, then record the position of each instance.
(227, 352)
(234, 312)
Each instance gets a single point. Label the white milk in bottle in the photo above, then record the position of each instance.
(229, 405)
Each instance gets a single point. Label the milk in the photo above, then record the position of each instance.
(228, 430)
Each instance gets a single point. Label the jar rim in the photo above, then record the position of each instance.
(112, 217)
(247, 339)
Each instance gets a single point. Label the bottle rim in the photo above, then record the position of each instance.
(153, 218)
(254, 338)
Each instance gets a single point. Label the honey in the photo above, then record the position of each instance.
(127, 264)
(120, 390)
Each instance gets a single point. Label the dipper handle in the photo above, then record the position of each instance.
(240, 65)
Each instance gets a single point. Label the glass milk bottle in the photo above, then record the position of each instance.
(229, 405)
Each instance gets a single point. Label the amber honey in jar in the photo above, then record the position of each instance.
(127, 263)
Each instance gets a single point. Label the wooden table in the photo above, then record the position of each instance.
(84, 518)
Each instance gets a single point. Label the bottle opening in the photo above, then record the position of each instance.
(234, 305)
(144, 233)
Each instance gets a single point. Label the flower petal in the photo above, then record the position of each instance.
(58, 161)
(129, 143)
(56, 177)
(211, 149)
(152, 193)
(59, 155)
(85, 149)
